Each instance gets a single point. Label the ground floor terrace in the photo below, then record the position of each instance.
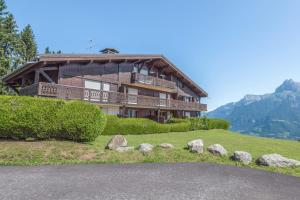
(160, 115)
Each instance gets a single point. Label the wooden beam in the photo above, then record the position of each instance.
(49, 68)
(23, 81)
(47, 76)
(37, 76)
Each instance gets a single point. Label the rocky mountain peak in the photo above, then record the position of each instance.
(271, 115)
(288, 85)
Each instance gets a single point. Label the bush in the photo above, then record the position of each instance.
(133, 126)
(41, 118)
(23, 117)
(179, 125)
(207, 124)
(198, 123)
(80, 121)
(218, 124)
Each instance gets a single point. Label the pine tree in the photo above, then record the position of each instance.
(28, 44)
(10, 42)
(3, 61)
(47, 50)
(2, 8)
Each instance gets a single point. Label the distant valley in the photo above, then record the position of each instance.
(270, 115)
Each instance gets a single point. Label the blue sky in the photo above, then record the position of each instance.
(230, 48)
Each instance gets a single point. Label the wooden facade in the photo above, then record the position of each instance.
(126, 85)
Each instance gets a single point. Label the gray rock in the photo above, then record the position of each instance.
(145, 148)
(277, 160)
(196, 146)
(166, 146)
(242, 156)
(217, 149)
(124, 149)
(116, 141)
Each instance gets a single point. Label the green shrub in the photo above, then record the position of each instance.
(43, 118)
(133, 126)
(218, 124)
(179, 125)
(198, 123)
(207, 124)
(23, 117)
(112, 125)
(80, 121)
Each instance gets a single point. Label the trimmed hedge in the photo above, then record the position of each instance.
(43, 118)
(179, 125)
(218, 124)
(198, 123)
(208, 123)
(133, 126)
(136, 126)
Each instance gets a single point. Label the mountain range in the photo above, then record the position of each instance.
(270, 115)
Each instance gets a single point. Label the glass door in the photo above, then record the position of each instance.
(105, 93)
(132, 96)
(162, 99)
(92, 90)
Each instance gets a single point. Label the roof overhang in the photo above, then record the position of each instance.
(45, 59)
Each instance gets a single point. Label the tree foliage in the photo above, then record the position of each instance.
(28, 45)
(48, 51)
(16, 47)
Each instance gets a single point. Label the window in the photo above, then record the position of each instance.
(132, 113)
(144, 71)
(132, 96)
(162, 99)
(180, 84)
(94, 85)
(162, 95)
(106, 87)
(132, 91)
(92, 92)
(187, 114)
(135, 69)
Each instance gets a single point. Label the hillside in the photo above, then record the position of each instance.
(272, 115)
(63, 152)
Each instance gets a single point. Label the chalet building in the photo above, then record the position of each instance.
(125, 85)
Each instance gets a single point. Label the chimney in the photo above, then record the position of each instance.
(109, 51)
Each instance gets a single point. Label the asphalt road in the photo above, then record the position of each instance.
(199, 181)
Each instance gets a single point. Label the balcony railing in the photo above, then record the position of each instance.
(108, 97)
(150, 80)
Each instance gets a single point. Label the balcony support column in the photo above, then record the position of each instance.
(123, 109)
(37, 76)
(158, 115)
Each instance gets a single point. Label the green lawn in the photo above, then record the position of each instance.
(58, 152)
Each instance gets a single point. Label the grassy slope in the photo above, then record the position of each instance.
(55, 152)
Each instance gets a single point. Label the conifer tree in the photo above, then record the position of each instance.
(28, 45)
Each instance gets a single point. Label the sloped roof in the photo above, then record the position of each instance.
(57, 58)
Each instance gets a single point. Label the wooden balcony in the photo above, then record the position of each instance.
(105, 97)
(154, 81)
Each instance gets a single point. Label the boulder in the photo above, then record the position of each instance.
(242, 156)
(145, 148)
(116, 141)
(217, 149)
(124, 149)
(166, 146)
(277, 160)
(196, 146)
